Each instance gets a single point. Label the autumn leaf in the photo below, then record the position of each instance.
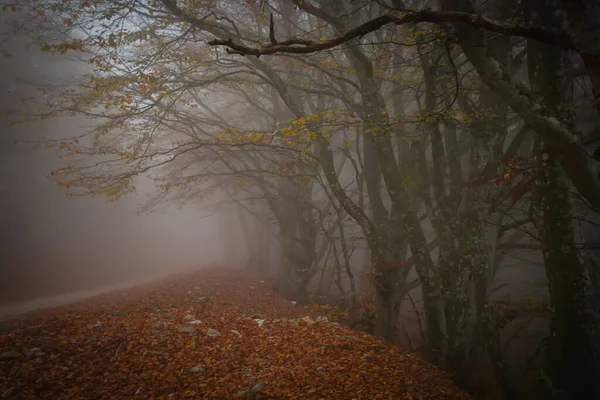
(110, 347)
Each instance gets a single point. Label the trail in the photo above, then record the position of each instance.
(211, 334)
(45, 302)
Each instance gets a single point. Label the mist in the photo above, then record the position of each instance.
(51, 244)
(428, 178)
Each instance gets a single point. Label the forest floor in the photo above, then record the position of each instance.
(211, 334)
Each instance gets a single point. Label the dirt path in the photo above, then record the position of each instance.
(8, 311)
(212, 334)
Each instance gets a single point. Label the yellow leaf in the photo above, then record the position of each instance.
(261, 18)
(323, 38)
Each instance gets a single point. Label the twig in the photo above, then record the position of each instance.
(272, 32)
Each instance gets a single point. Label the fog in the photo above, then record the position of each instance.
(434, 189)
(51, 244)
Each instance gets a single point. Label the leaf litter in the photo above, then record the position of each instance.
(245, 342)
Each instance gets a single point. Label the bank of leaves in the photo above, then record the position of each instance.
(209, 335)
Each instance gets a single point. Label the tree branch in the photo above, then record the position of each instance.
(552, 37)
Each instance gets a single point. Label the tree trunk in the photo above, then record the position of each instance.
(571, 363)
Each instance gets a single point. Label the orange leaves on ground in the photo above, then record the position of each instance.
(214, 334)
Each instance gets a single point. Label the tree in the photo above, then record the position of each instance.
(575, 325)
(572, 153)
(422, 148)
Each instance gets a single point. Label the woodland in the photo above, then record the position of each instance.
(374, 151)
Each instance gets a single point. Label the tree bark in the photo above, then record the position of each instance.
(571, 363)
(564, 140)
